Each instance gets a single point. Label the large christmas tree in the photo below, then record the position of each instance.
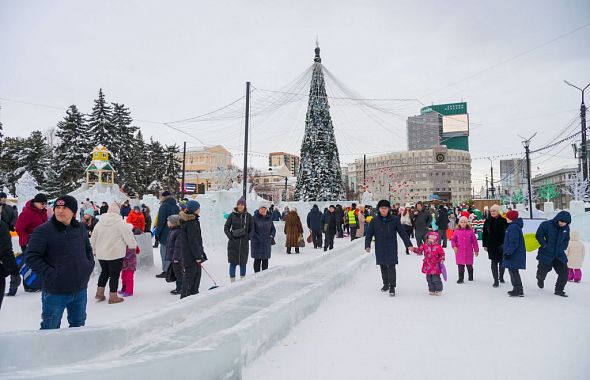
(319, 177)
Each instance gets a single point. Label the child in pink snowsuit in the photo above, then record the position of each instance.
(434, 255)
(464, 242)
(127, 274)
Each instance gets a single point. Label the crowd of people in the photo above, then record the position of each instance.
(59, 251)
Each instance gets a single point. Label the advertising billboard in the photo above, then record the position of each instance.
(456, 124)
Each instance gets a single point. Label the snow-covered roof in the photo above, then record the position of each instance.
(99, 165)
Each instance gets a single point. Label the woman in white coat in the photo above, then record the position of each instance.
(109, 240)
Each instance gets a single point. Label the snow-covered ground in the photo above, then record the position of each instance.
(472, 331)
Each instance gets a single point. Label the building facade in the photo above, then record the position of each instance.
(558, 178)
(416, 175)
(440, 124)
(291, 161)
(512, 175)
(276, 184)
(207, 168)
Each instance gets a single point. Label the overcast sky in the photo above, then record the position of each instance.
(173, 60)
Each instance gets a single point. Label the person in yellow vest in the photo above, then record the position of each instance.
(353, 221)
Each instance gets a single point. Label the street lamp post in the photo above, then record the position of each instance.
(584, 150)
(286, 180)
(492, 188)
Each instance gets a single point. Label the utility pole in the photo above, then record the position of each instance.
(183, 169)
(526, 143)
(487, 188)
(245, 173)
(285, 197)
(584, 150)
(492, 188)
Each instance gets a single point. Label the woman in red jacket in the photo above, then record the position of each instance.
(32, 216)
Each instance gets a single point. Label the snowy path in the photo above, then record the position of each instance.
(213, 334)
(473, 331)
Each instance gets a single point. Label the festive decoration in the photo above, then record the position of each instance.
(577, 187)
(548, 191)
(319, 177)
(518, 197)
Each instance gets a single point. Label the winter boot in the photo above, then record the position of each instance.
(516, 292)
(461, 277)
(11, 292)
(470, 273)
(560, 293)
(431, 293)
(114, 298)
(392, 291)
(496, 284)
(385, 288)
(439, 293)
(232, 279)
(100, 294)
(540, 283)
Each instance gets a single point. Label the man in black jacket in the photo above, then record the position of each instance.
(59, 251)
(314, 223)
(329, 221)
(442, 222)
(7, 213)
(422, 222)
(8, 265)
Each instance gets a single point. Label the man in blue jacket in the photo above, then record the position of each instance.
(59, 251)
(554, 237)
(385, 227)
(168, 207)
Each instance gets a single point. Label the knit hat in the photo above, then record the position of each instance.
(3, 195)
(114, 208)
(166, 193)
(89, 212)
(383, 203)
(192, 206)
(174, 220)
(242, 201)
(512, 215)
(67, 201)
(40, 198)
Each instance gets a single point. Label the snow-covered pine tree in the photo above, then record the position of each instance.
(173, 168)
(100, 127)
(34, 153)
(73, 150)
(156, 167)
(319, 178)
(122, 143)
(12, 162)
(140, 180)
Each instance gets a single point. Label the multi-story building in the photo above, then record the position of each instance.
(275, 184)
(427, 174)
(291, 161)
(512, 175)
(558, 178)
(206, 168)
(441, 124)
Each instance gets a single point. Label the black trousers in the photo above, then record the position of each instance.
(462, 271)
(110, 271)
(498, 270)
(353, 229)
(339, 230)
(515, 279)
(258, 263)
(191, 280)
(560, 269)
(329, 242)
(388, 275)
(443, 237)
(317, 238)
(2, 289)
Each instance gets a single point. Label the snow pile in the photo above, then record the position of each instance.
(99, 192)
(26, 189)
(212, 335)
